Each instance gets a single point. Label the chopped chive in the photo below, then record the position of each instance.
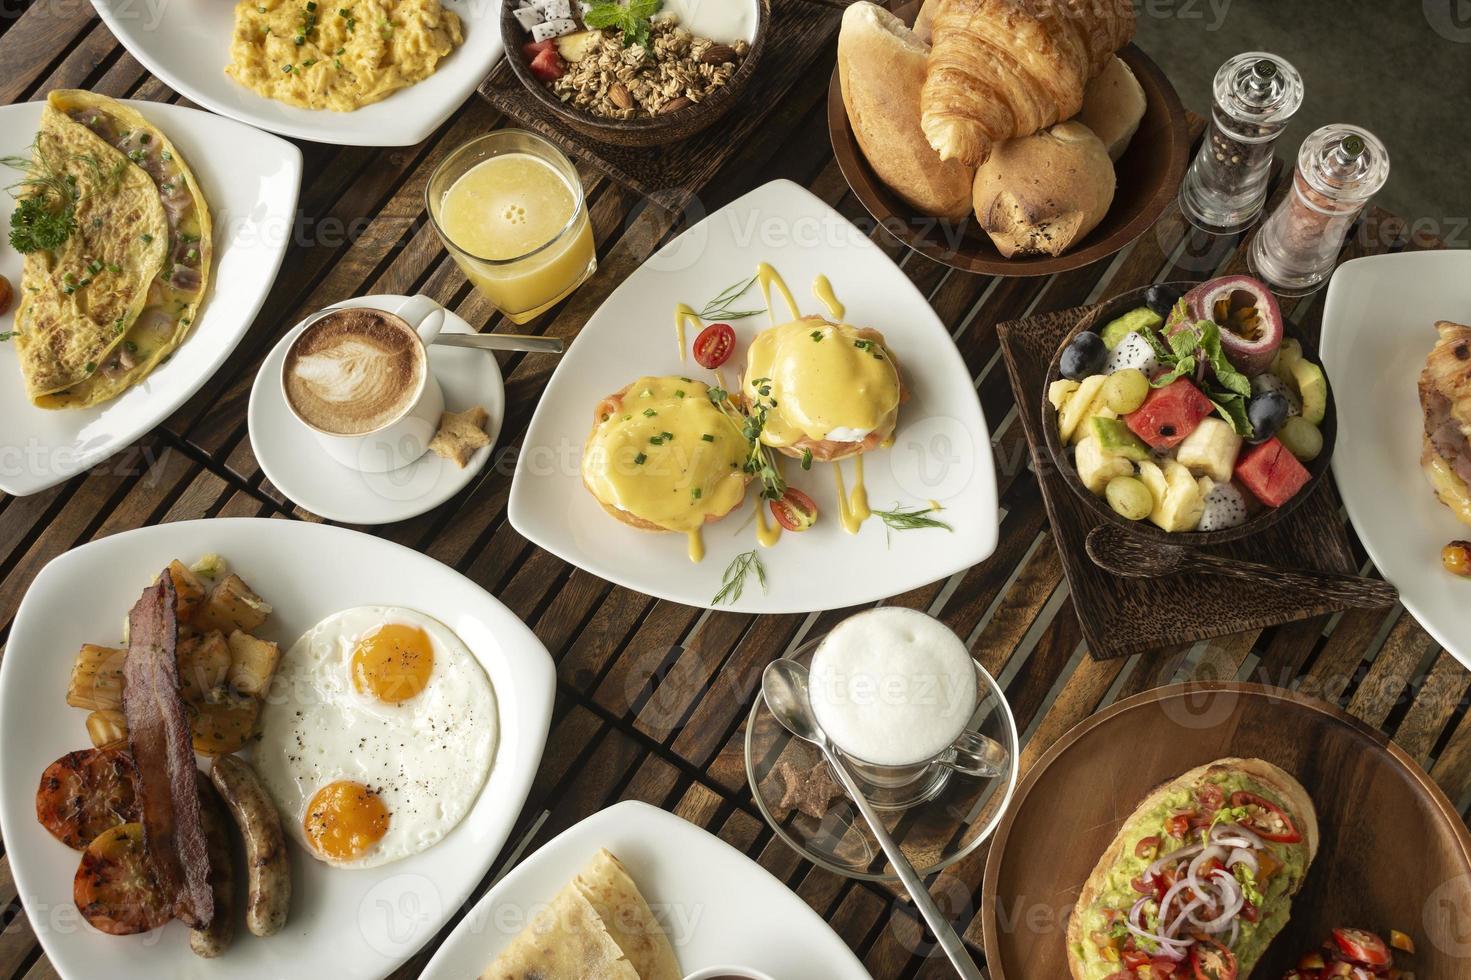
(816, 336)
(696, 493)
(640, 459)
(708, 437)
(649, 413)
(679, 393)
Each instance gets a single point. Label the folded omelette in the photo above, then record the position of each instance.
(107, 306)
(598, 926)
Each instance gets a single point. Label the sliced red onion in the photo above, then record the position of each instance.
(1173, 949)
(1174, 857)
(1244, 856)
(1235, 932)
(1235, 835)
(1235, 900)
(1212, 852)
(1170, 896)
(1174, 928)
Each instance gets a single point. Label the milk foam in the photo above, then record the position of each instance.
(352, 374)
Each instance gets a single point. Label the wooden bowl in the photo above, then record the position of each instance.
(1149, 175)
(646, 131)
(1394, 853)
(1062, 459)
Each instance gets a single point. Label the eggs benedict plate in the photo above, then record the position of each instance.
(857, 464)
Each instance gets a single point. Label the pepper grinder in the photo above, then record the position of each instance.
(1255, 95)
(1339, 168)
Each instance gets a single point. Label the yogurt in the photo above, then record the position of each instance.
(722, 21)
(892, 686)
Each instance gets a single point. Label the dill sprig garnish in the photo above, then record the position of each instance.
(733, 582)
(719, 307)
(911, 519)
(45, 214)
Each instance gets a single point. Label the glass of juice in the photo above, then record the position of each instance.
(509, 207)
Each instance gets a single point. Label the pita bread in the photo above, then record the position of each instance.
(598, 926)
(1277, 784)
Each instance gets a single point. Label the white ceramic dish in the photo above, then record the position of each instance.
(290, 457)
(717, 905)
(250, 180)
(359, 923)
(1378, 328)
(941, 451)
(187, 44)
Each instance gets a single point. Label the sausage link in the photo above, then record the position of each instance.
(267, 869)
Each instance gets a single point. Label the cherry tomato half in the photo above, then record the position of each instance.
(1211, 797)
(1212, 961)
(1178, 825)
(795, 511)
(1147, 848)
(1362, 946)
(714, 345)
(1266, 818)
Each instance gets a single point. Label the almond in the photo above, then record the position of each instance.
(676, 104)
(618, 93)
(718, 54)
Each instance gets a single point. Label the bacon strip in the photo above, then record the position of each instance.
(158, 733)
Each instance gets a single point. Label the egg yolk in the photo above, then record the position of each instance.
(345, 819)
(392, 663)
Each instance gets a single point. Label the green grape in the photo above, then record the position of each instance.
(1129, 498)
(1302, 438)
(1126, 390)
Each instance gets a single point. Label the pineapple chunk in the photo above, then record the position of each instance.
(577, 46)
(252, 663)
(107, 729)
(232, 606)
(97, 679)
(204, 662)
(1060, 391)
(1182, 505)
(1097, 467)
(1210, 450)
(1077, 407)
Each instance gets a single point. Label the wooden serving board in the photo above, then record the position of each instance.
(1122, 616)
(672, 175)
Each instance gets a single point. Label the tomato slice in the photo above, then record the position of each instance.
(115, 889)
(1362, 946)
(1266, 819)
(1134, 958)
(714, 345)
(1163, 967)
(85, 793)
(1212, 961)
(1179, 825)
(1211, 797)
(795, 511)
(1147, 848)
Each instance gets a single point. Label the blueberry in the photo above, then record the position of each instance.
(1162, 299)
(1084, 357)
(1267, 411)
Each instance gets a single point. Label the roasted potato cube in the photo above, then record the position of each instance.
(252, 663)
(225, 726)
(232, 606)
(204, 664)
(97, 678)
(108, 729)
(188, 591)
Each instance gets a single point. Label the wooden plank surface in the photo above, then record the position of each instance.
(652, 697)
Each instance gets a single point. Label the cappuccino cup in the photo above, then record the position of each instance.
(359, 378)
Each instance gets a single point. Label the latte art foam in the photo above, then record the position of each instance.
(353, 371)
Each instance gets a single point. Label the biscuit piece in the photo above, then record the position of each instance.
(460, 434)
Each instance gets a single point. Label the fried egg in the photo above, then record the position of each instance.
(378, 736)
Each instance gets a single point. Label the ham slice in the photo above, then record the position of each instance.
(163, 754)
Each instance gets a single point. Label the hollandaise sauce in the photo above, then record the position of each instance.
(852, 507)
(663, 453)
(769, 277)
(823, 290)
(684, 315)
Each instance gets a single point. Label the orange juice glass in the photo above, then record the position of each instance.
(510, 208)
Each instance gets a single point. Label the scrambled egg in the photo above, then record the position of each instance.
(338, 54)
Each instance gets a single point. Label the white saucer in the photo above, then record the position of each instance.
(292, 459)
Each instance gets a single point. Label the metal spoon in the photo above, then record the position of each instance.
(784, 684)
(1115, 550)
(501, 341)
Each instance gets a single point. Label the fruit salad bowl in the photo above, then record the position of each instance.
(1166, 461)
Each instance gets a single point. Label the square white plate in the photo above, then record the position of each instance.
(941, 451)
(718, 907)
(251, 180)
(343, 924)
(187, 44)
(1378, 328)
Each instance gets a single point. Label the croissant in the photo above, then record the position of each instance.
(999, 69)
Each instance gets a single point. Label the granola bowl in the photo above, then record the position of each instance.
(676, 87)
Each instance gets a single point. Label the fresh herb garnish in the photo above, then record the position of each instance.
(629, 16)
(47, 215)
(759, 462)
(1195, 352)
(719, 307)
(911, 519)
(733, 582)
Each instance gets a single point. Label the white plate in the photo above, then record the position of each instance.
(360, 923)
(718, 907)
(1378, 328)
(187, 44)
(941, 451)
(250, 180)
(292, 460)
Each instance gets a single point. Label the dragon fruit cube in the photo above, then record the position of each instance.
(1132, 352)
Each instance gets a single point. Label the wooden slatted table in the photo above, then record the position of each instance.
(652, 696)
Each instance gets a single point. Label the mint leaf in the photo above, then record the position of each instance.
(1232, 408)
(1230, 378)
(1185, 341)
(1184, 367)
(631, 18)
(1161, 349)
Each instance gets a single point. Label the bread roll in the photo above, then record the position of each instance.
(1113, 105)
(924, 22)
(881, 66)
(1042, 194)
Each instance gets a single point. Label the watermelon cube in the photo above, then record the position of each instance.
(1271, 473)
(1169, 414)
